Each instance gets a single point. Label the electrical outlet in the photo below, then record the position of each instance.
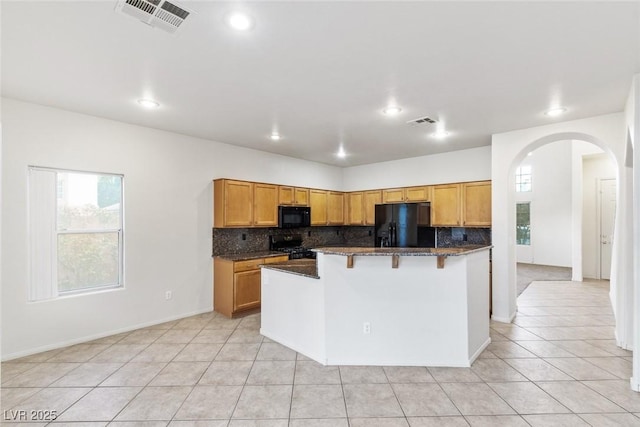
(366, 328)
(168, 295)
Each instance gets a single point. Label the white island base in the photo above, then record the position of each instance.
(359, 310)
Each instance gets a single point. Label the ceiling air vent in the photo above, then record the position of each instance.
(421, 121)
(157, 13)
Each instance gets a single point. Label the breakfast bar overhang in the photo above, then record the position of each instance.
(381, 306)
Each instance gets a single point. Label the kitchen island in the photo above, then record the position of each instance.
(381, 306)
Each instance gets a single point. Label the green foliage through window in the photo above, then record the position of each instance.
(89, 224)
(523, 223)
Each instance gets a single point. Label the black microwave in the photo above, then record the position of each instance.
(294, 216)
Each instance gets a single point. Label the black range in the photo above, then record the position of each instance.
(292, 245)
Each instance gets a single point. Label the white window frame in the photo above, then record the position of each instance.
(44, 233)
(519, 183)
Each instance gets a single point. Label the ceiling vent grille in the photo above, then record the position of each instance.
(157, 13)
(422, 121)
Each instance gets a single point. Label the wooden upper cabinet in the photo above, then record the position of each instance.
(476, 204)
(417, 194)
(233, 203)
(355, 208)
(446, 206)
(301, 196)
(371, 199)
(285, 195)
(293, 196)
(318, 204)
(335, 208)
(265, 205)
(406, 194)
(244, 204)
(393, 195)
(253, 204)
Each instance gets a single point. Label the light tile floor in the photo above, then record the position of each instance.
(556, 365)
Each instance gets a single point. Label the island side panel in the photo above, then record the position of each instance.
(478, 310)
(293, 312)
(417, 312)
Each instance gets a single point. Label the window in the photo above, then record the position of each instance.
(76, 232)
(523, 223)
(523, 178)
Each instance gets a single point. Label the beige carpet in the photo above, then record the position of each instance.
(528, 273)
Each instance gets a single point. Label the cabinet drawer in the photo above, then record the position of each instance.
(273, 259)
(251, 264)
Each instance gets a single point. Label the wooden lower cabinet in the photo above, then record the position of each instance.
(236, 284)
(246, 290)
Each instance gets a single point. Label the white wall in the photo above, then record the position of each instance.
(456, 166)
(168, 219)
(508, 150)
(594, 168)
(550, 205)
(632, 298)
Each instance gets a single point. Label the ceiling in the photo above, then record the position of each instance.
(320, 73)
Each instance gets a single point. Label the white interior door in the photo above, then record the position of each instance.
(607, 217)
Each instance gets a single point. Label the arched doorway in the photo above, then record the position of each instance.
(557, 235)
(508, 150)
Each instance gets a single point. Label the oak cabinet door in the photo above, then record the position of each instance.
(476, 204)
(371, 199)
(355, 209)
(393, 195)
(246, 290)
(265, 202)
(335, 208)
(445, 206)
(318, 204)
(285, 195)
(237, 203)
(417, 194)
(301, 196)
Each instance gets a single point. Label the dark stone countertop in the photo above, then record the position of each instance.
(250, 255)
(456, 251)
(301, 267)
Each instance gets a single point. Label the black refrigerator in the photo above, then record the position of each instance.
(405, 225)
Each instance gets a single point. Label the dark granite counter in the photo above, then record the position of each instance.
(301, 267)
(251, 255)
(351, 251)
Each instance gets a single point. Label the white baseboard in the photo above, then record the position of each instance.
(87, 338)
(477, 354)
(504, 319)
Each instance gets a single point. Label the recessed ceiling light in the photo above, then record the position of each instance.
(275, 136)
(440, 134)
(530, 153)
(240, 21)
(341, 153)
(148, 103)
(553, 112)
(392, 111)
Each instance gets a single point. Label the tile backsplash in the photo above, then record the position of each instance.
(458, 236)
(227, 241)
